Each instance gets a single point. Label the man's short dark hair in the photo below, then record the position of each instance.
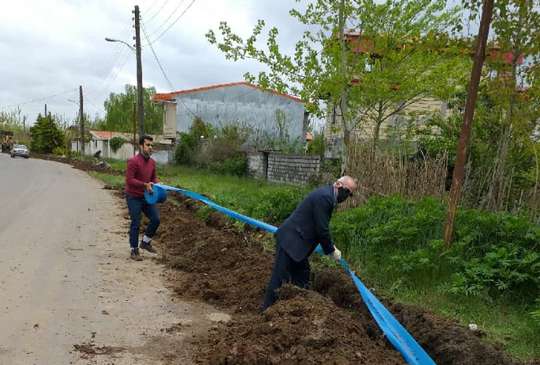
(144, 138)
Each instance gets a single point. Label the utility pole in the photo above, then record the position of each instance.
(140, 91)
(134, 128)
(463, 143)
(81, 118)
(45, 110)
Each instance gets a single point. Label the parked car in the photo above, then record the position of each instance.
(20, 150)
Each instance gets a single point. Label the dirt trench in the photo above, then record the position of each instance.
(328, 324)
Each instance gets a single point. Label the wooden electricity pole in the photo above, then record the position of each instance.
(134, 128)
(140, 90)
(463, 143)
(81, 118)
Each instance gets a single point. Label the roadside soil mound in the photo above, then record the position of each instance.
(303, 327)
(328, 324)
(85, 165)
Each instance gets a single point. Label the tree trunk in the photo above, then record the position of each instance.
(498, 191)
(459, 169)
(376, 133)
(343, 100)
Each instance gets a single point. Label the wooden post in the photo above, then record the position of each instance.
(463, 143)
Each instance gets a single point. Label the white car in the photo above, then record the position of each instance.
(20, 150)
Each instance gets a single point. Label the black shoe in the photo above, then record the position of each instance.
(148, 247)
(135, 255)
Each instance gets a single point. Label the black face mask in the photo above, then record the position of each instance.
(342, 194)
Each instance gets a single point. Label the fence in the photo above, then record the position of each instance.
(161, 154)
(387, 173)
(280, 168)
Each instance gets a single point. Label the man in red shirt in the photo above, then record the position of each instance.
(140, 176)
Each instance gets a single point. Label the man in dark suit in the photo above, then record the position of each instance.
(300, 234)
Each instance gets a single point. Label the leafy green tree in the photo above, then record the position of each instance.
(502, 161)
(402, 53)
(46, 135)
(513, 90)
(119, 111)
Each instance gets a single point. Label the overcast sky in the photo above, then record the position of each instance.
(50, 47)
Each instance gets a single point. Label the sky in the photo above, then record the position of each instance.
(50, 47)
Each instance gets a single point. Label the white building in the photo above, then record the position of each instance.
(240, 103)
(100, 141)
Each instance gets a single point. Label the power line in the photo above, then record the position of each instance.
(151, 5)
(116, 69)
(175, 21)
(120, 60)
(171, 87)
(164, 73)
(36, 99)
(157, 12)
(163, 24)
(116, 66)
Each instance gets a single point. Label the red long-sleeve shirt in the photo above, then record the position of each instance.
(139, 171)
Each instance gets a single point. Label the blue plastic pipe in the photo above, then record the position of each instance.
(398, 336)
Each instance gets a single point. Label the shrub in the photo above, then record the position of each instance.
(116, 143)
(59, 151)
(236, 166)
(536, 313)
(185, 149)
(46, 135)
(276, 206)
(200, 129)
(316, 147)
(493, 253)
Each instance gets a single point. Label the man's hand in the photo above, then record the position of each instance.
(336, 254)
(148, 187)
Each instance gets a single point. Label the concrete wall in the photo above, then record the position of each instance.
(162, 156)
(333, 134)
(169, 116)
(257, 165)
(279, 168)
(244, 105)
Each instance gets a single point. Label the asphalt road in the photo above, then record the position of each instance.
(66, 280)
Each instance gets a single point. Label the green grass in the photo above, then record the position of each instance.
(503, 321)
(255, 198)
(112, 180)
(506, 323)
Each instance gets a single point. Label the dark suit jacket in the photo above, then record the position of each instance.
(307, 226)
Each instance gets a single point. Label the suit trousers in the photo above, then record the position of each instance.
(285, 270)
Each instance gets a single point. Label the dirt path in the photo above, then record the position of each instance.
(69, 292)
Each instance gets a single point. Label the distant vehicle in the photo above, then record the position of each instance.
(20, 150)
(6, 140)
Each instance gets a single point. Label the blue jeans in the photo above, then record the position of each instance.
(135, 207)
(285, 270)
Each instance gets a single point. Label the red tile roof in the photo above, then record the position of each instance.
(104, 135)
(171, 95)
(107, 135)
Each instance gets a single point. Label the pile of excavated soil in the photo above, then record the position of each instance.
(220, 266)
(328, 324)
(303, 327)
(79, 164)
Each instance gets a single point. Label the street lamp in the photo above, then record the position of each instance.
(137, 49)
(119, 41)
